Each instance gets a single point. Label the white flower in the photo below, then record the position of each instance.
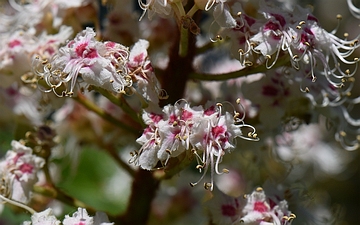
(224, 209)
(45, 217)
(19, 171)
(160, 7)
(99, 64)
(142, 72)
(81, 217)
(264, 211)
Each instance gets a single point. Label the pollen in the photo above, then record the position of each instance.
(259, 189)
(207, 186)
(225, 170)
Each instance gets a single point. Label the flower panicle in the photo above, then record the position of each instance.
(207, 132)
(254, 208)
(85, 61)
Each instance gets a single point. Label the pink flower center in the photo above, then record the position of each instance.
(272, 26)
(260, 207)
(279, 18)
(217, 131)
(81, 223)
(90, 53)
(155, 117)
(14, 43)
(26, 168)
(210, 111)
(139, 58)
(186, 115)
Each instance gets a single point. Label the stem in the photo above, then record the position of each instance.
(121, 102)
(103, 114)
(55, 193)
(184, 45)
(18, 204)
(236, 74)
(192, 11)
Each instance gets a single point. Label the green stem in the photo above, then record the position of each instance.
(55, 193)
(236, 74)
(184, 44)
(18, 204)
(192, 11)
(103, 114)
(121, 102)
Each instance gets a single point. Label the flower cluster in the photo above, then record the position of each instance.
(18, 171)
(80, 217)
(255, 208)
(295, 33)
(180, 127)
(107, 65)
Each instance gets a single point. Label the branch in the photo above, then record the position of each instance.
(240, 73)
(103, 114)
(121, 102)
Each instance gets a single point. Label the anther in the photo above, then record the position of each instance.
(219, 104)
(175, 123)
(238, 101)
(302, 23)
(259, 189)
(268, 56)
(342, 133)
(248, 63)
(207, 185)
(236, 116)
(346, 35)
(225, 170)
(238, 14)
(307, 90)
(218, 37)
(111, 81)
(168, 151)
(192, 184)
(338, 16)
(347, 71)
